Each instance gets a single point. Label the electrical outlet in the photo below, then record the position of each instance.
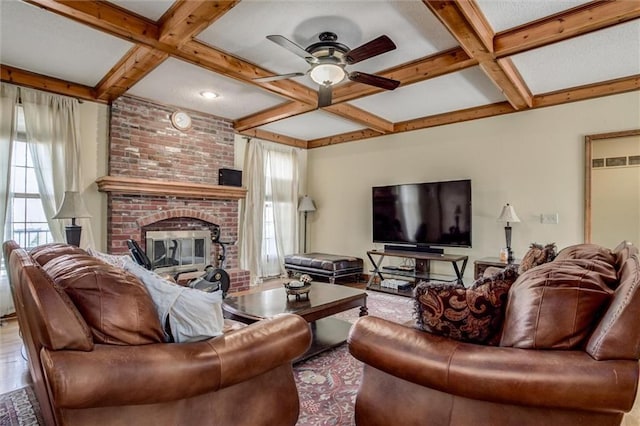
(549, 218)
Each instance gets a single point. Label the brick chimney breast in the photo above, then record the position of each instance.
(144, 145)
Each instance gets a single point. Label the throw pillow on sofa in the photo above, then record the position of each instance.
(537, 255)
(114, 304)
(472, 314)
(587, 252)
(555, 305)
(191, 315)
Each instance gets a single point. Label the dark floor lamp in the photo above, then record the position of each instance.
(306, 205)
(72, 207)
(508, 215)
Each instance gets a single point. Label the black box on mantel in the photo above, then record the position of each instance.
(230, 177)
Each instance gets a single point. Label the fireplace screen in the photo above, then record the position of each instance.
(175, 251)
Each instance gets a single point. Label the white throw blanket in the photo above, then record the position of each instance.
(193, 314)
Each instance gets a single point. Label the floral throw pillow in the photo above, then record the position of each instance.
(473, 314)
(537, 255)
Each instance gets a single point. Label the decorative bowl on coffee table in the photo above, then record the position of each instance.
(297, 288)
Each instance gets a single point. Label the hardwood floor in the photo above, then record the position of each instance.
(14, 371)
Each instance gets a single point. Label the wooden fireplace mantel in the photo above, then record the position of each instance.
(137, 186)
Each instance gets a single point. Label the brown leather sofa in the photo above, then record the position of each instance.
(243, 377)
(412, 377)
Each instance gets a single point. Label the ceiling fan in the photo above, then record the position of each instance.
(328, 59)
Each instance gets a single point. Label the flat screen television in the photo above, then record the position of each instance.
(423, 214)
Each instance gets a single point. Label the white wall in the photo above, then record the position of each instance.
(533, 160)
(94, 156)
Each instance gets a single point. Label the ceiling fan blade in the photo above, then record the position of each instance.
(278, 77)
(368, 50)
(293, 48)
(374, 80)
(324, 96)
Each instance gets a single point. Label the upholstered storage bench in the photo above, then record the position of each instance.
(330, 266)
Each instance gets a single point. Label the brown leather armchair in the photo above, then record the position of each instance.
(412, 377)
(243, 377)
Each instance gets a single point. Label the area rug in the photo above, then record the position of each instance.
(328, 383)
(20, 408)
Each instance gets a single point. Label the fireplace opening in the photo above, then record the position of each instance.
(178, 251)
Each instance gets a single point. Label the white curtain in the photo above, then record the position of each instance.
(280, 164)
(252, 211)
(283, 164)
(8, 101)
(53, 132)
(52, 127)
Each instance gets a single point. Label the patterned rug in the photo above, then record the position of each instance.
(20, 408)
(328, 383)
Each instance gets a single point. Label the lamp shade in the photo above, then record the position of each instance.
(508, 214)
(72, 206)
(306, 204)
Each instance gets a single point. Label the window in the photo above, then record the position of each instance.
(27, 222)
(270, 263)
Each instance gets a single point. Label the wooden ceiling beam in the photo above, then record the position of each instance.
(186, 19)
(361, 116)
(345, 137)
(20, 77)
(412, 72)
(476, 18)
(105, 17)
(178, 25)
(117, 22)
(455, 117)
(271, 115)
(516, 79)
(137, 63)
(275, 137)
(509, 89)
(452, 17)
(580, 20)
(589, 91)
(200, 54)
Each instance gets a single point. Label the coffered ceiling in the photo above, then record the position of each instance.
(455, 60)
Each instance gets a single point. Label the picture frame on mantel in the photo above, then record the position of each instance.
(609, 216)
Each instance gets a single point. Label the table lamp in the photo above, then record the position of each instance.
(306, 205)
(72, 207)
(508, 215)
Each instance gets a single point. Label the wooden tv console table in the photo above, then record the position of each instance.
(422, 269)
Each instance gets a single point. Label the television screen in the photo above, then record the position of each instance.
(423, 214)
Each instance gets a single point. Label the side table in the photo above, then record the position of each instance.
(481, 264)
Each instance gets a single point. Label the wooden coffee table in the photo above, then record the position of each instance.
(323, 301)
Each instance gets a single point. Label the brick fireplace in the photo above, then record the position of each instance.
(163, 179)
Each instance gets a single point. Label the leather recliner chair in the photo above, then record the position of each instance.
(243, 377)
(412, 377)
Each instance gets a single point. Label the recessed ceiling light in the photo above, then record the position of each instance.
(208, 94)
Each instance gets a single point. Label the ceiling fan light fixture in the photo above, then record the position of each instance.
(327, 74)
